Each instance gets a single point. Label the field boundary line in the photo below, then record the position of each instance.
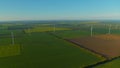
(102, 62)
(55, 35)
(88, 49)
(107, 60)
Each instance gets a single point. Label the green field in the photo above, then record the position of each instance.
(82, 33)
(41, 50)
(112, 64)
(10, 50)
(44, 29)
(72, 33)
(38, 47)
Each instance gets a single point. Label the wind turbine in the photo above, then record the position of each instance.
(109, 32)
(91, 30)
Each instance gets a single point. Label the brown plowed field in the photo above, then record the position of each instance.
(106, 45)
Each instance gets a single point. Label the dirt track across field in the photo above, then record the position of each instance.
(105, 45)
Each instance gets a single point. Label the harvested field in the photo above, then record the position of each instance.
(105, 45)
(108, 37)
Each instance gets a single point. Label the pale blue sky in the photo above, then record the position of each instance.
(59, 9)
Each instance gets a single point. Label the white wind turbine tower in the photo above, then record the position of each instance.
(109, 32)
(91, 30)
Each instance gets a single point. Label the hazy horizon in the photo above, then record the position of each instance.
(16, 10)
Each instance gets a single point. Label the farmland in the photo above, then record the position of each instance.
(72, 33)
(9, 50)
(38, 53)
(43, 45)
(112, 64)
(44, 29)
(106, 49)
